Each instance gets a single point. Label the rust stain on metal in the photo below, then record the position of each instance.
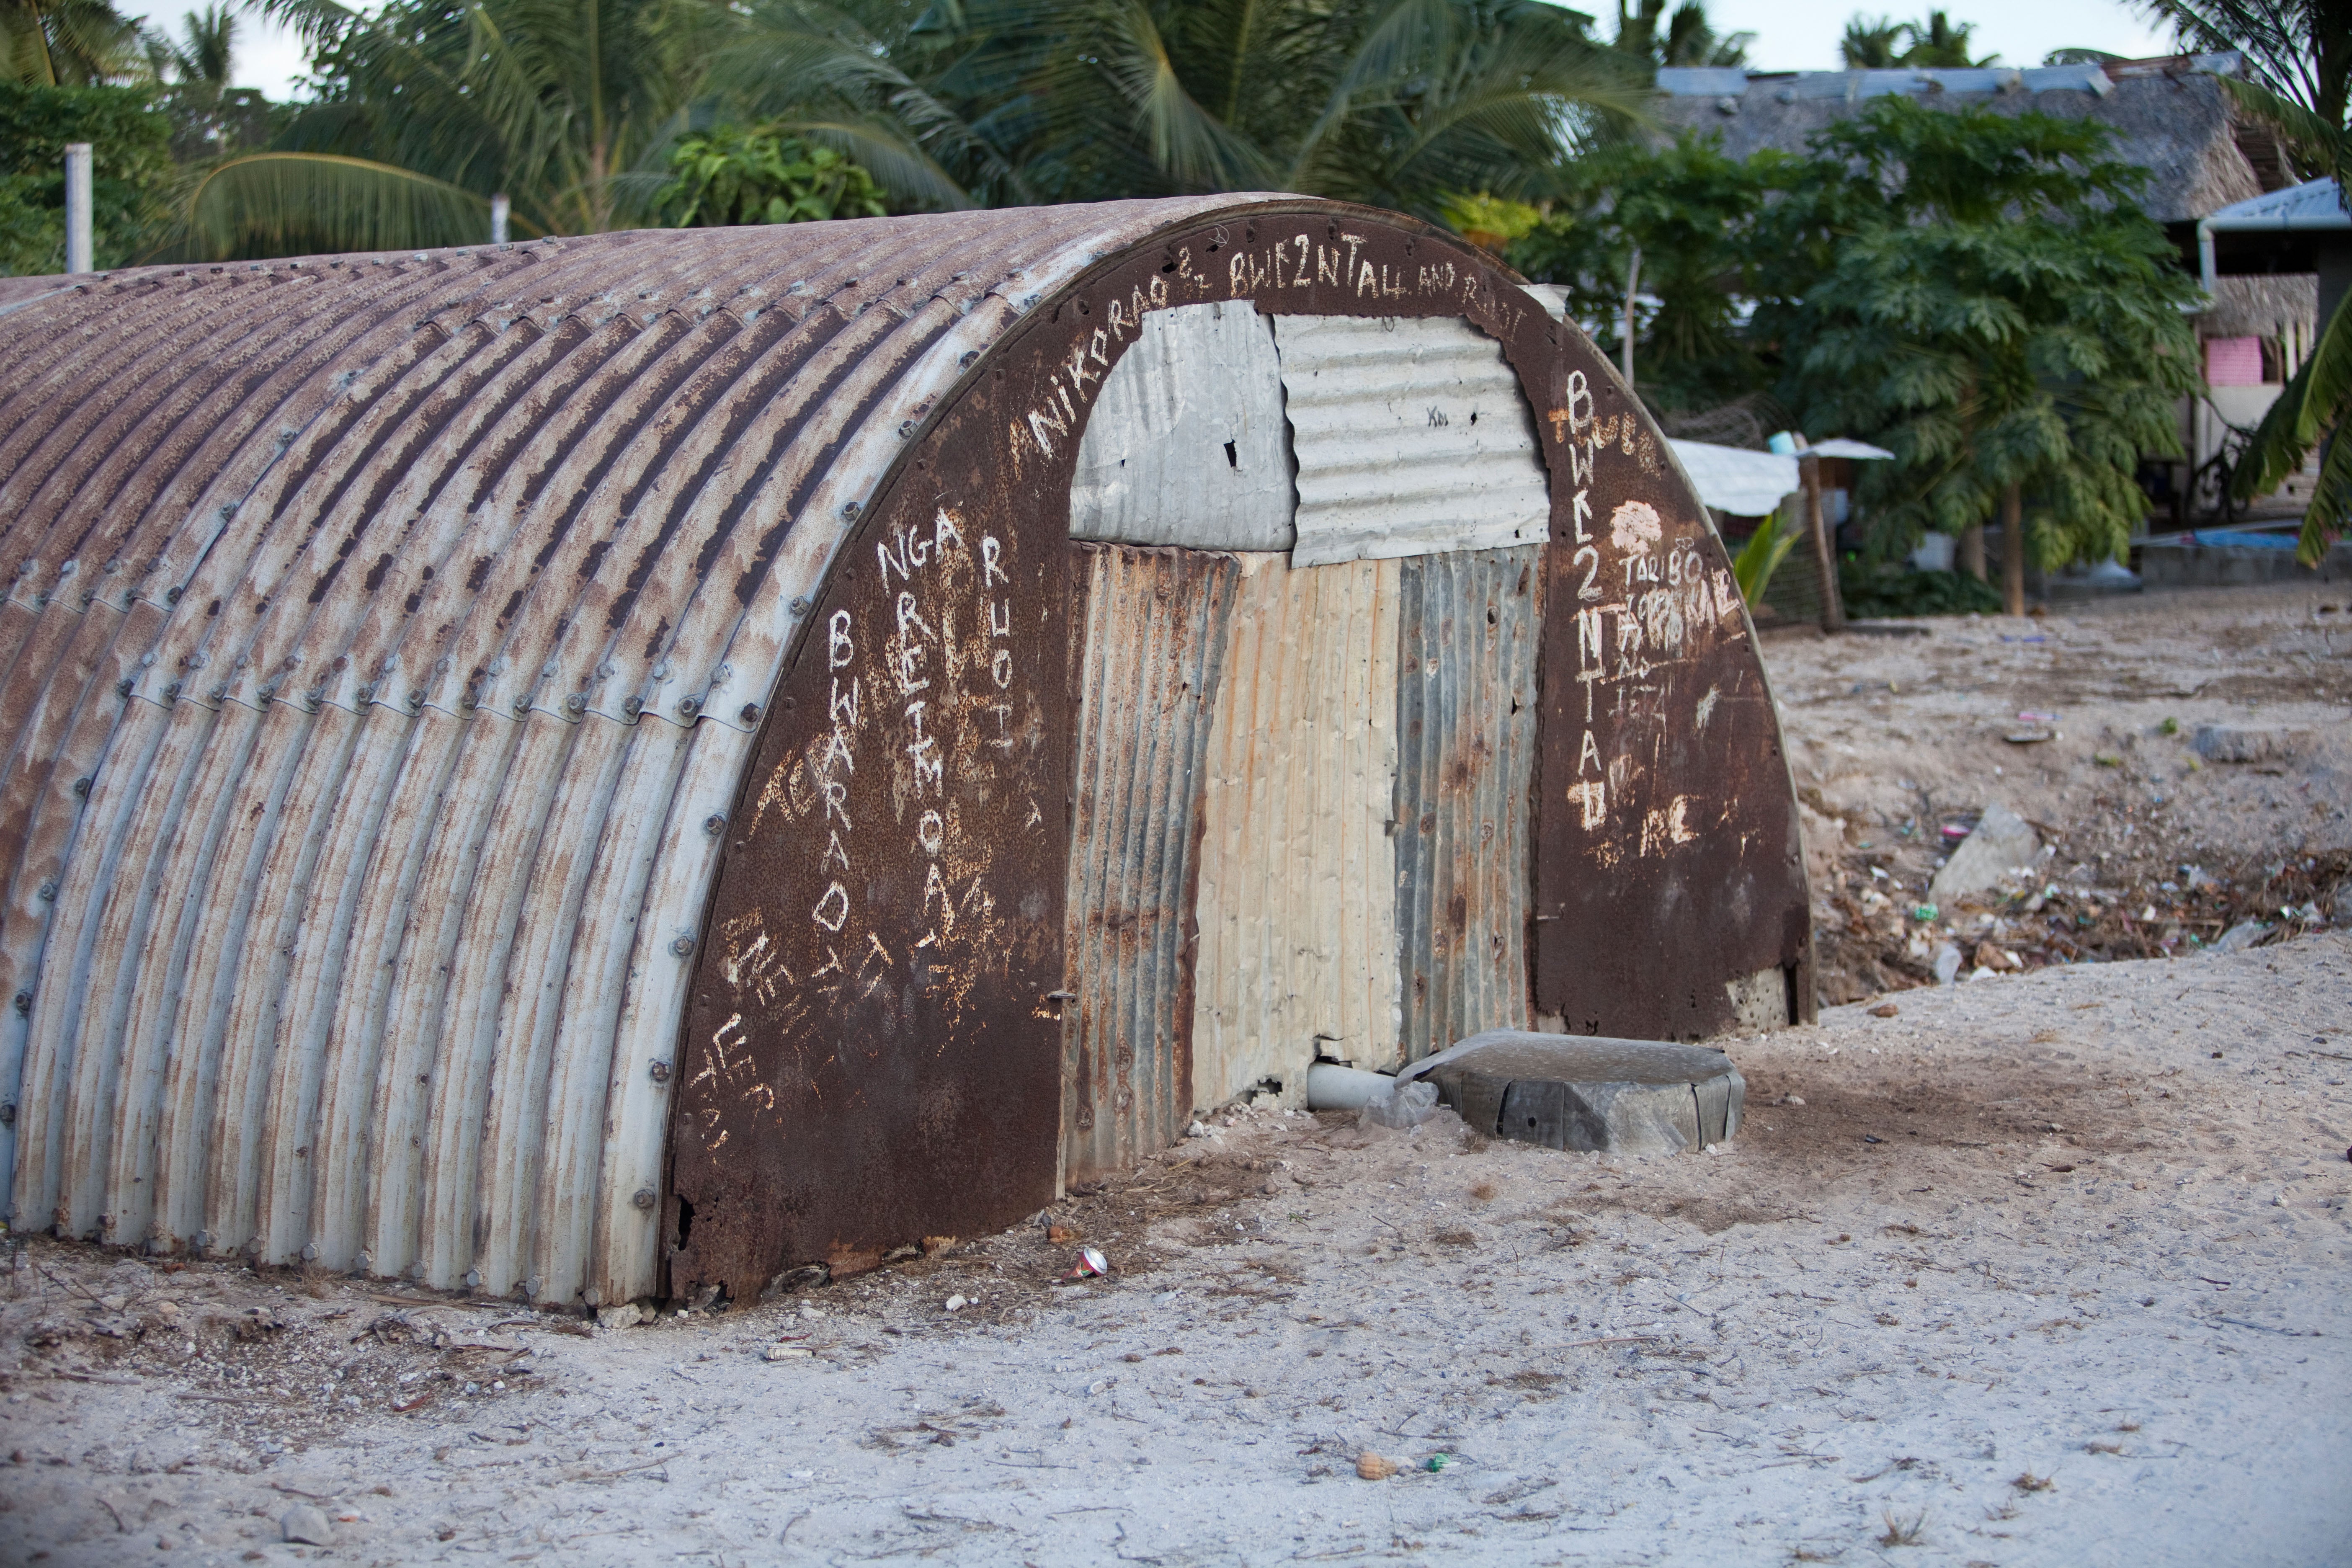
(1148, 669)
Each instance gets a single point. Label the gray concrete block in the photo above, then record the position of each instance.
(2248, 742)
(2001, 843)
(1568, 1091)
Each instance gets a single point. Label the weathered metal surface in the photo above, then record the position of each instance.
(1468, 626)
(1667, 860)
(1149, 663)
(398, 655)
(1412, 436)
(1186, 444)
(1298, 867)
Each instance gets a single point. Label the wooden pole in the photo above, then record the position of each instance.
(1809, 469)
(1632, 283)
(1973, 560)
(2013, 550)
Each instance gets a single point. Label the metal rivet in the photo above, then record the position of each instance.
(751, 714)
(800, 605)
(81, 787)
(25, 1002)
(8, 1114)
(575, 704)
(645, 1198)
(531, 1287)
(473, 1279)
(521, 705)
(415, 700)
(661, 1072)
(172, 692)
(220, 694)
(49, 890)
(633, 706)
(681, 945)
(311, 1253)
(850, 509)
(364, 693)
(123, 686)
(689, 706)
(715, 824)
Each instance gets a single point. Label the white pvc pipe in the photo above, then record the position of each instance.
(1330, 1087)
(77, 227)
(499, 209)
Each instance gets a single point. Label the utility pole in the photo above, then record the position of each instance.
(2013, 550)
(77, 241)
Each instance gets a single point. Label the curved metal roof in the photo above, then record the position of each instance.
(385, 637)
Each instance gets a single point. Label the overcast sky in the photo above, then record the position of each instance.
(1788, 36)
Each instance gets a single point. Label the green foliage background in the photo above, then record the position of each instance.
(131, 173)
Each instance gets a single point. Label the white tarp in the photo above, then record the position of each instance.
(1735, 479)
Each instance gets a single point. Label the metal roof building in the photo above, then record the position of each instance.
(631, 762)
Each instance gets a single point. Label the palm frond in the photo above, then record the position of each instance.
(292, 204)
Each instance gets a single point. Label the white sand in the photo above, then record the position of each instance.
(1838, 1335)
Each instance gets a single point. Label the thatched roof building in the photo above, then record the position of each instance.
(2171, 116)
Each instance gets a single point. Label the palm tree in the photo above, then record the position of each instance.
(1690, 39)
(1872, 44)
(1395, 102)
(2298, 56)
(68, 42)
(431, 108)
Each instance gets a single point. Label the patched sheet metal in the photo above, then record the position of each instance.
(1469, 625)
(1298, 867)
(1153, 653)
(402, 648)
(1186, 444)
(1412, 436)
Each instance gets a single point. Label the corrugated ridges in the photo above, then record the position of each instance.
(1296, 905)
(356, 933)
(1153, 653)
(1412, 436)
(1468, 627)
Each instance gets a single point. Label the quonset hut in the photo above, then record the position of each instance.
(624, 764)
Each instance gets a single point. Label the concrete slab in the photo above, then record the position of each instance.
(1587, 1093)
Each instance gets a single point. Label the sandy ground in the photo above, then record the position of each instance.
(2153, 849)
(2044, 1267)
(2045, 1270)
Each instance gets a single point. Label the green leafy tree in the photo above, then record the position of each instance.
(2298, 56)
(1398, 103)
(1881, 42)
(131, 173)
(68, 43)
(1688, 39)
(732, 175)
(1691, 211)
(1980, 293)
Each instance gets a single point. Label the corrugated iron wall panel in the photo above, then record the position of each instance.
(1468, 627)
(1149, 663)
(1186, 444)
(349, 894)
(1298, 903)
(1412, 436)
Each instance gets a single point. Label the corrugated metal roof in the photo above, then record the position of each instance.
(1297, 907)
(1153, 652)
(1410, 435)
(2312, 205)
(1186, 444)
(358, 932)
(1468, 627)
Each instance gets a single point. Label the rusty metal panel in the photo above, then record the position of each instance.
(1412, 436)
(1298, 902)
(1667, 860)
(1468, 628)
(1186, 444)
(1149, 658)
(391, 647)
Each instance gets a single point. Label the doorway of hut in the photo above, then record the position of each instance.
(1307, 577)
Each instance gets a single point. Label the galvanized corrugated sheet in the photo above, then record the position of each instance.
(1412, 436)
(1149, 663)
(1186, 444)
(348, 897)
(1297, 906)
(1469, 627)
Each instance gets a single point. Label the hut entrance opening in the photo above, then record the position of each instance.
(1305, 560)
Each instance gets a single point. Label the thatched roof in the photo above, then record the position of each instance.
(2171, 117)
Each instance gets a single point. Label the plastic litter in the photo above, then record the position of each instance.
(1090, 1261)
(1438, 1462)
(1402, 1108)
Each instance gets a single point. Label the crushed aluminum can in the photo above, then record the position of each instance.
(1090, 1261)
